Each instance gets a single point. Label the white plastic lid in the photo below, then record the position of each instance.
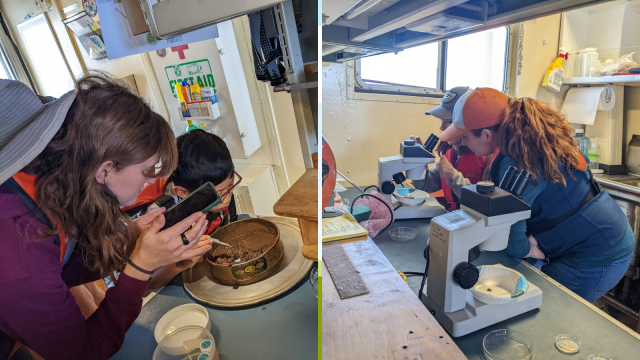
(582, 50)
(186, 343)
(179, 317)
(579, 131)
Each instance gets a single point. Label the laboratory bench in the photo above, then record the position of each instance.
(284, 328)
(562, 311)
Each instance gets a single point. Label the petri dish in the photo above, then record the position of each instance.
(403, 233)
(507, 344)
(567, 344)
(599, 357)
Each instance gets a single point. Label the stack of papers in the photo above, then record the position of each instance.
(342, 227)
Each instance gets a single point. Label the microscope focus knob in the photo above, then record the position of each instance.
(466, 275)
(387, 187)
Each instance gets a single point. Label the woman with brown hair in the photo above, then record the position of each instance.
(65, 169)
(575, 227)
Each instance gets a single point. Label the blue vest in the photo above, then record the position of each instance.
(597, 227)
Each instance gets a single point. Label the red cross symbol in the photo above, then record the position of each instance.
(180, 50)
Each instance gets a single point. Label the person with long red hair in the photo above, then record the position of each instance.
(575, 228)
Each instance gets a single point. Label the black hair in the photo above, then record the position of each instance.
(202, 157)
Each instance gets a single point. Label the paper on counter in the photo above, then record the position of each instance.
(582, 104)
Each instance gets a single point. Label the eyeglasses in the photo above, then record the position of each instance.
(233, 186)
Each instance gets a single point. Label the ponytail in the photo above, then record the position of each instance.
(534, 134)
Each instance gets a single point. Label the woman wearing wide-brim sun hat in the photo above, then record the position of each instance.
(577, 229)
(66, 167)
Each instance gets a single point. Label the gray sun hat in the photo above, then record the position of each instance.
(449, 100)
(26, 125)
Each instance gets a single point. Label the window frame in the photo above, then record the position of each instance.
(380, 87)
(36, 69)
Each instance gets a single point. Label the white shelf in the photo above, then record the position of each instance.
(629, 80)
(214, 113)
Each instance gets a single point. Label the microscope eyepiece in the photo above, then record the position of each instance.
(521, 183)
(509, 178)
(431, 143)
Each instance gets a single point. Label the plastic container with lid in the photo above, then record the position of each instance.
(591, 60)
(594, 154)
(189, 342)
(587, 58)
(583, 142)
(581, 58)
(179, 317)
(570, 62)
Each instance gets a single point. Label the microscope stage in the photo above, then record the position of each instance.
(428, 209)
(477, 315)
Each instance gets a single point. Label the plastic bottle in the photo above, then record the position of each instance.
(186, 91)
(583, 142)
(570, 63)
(555, 74)
(195, 92)
(183, 105)
(594, 154)
(191, 126)
(591, 60)
(581, 63)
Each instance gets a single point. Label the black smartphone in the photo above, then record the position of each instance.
(202, 199)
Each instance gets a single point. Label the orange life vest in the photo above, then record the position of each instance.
(28, 184)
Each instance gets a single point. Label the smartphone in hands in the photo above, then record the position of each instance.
(202, 199)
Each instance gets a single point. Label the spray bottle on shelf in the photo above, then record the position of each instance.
(555, 74)
(594, 153)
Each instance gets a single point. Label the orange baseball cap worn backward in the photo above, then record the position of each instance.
(478, 109)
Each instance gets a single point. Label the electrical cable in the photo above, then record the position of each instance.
(370, 186)
(385, 204)
(426, 270)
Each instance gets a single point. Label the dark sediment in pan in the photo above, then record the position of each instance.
(250, 243)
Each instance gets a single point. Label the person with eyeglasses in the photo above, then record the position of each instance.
(202, 157)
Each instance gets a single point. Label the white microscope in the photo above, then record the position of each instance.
(485, 218)
(413, 159)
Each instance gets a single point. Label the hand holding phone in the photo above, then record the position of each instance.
(155, 248)
(202, 199)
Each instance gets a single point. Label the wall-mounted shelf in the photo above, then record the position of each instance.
(193, 118)
(212, 108)
(628, 80)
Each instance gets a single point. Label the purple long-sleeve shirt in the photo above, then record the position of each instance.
(36, 306)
